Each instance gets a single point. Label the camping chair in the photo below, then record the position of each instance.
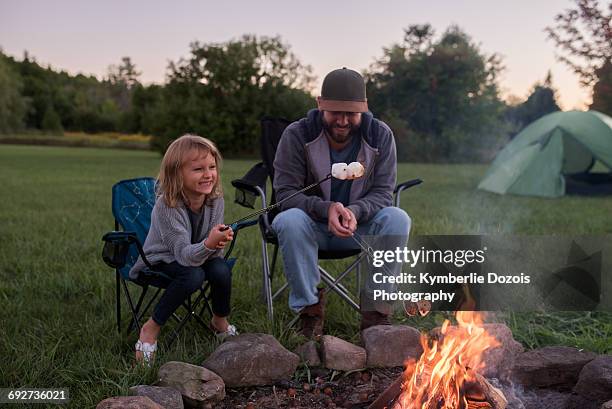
(253, 185)
(132, 203)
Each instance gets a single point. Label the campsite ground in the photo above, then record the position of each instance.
(57, 296)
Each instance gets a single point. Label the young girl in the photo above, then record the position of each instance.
(186, 238)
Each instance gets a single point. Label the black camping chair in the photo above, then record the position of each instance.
(253, 185)
(132, 203)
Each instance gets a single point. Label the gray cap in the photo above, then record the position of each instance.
(343, 90)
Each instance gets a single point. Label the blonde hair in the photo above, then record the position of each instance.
(170, 179)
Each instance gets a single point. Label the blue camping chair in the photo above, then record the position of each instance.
(132, 204)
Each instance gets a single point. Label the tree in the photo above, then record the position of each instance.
(121, 81)
(441, 94)
(124, 73)
(222, 90)
(541, 101)
(584, 35)
(12, 104)
(51, 121)
(602, 90)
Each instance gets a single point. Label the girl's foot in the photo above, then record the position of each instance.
(222, 328)
(147, 342)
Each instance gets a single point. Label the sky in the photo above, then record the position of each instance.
(86, 37)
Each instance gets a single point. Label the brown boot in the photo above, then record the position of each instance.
(312, 317)
(371, 318)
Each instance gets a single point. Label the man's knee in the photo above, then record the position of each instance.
(293, 223)
(393, 220)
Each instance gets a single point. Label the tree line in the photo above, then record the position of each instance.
(439, 93)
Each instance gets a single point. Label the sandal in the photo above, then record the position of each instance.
(221, 335)
(148, 351)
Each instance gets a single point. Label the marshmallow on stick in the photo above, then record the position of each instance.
(355, 170)
(343, 171)
(340, 170)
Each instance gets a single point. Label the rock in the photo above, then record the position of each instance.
(536, 398)
(309, 354)
(576, 401)
(198, 386)
(607, 405)
(128, 402)
(391, 345)
(595, 380)
(169, 398)
(341, 355)
(252, 360)
(554, 366)
(498, 361)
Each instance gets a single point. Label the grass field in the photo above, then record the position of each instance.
(57, 297)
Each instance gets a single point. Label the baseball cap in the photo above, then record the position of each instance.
(343, 90)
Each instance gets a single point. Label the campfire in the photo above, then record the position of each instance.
(447, 374)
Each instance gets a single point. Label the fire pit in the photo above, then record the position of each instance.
(447, 374)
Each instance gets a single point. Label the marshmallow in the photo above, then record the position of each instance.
(355, 170)
(339, 170)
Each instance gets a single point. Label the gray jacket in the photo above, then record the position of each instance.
(169, 237)
(302, 158)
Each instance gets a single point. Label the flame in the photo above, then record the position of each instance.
(437, 380)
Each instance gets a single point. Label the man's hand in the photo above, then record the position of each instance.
(217, 238)
(340, 220)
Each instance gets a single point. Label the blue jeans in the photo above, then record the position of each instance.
(300, 238)
(185, 280)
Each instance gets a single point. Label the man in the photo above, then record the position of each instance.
(340, 130)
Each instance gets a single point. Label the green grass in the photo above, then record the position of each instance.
(57, 297)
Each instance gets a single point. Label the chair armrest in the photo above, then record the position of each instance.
(128, 237)
(247, 186)
(401, 187)
(117, 245)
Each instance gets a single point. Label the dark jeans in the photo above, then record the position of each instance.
(187, 280)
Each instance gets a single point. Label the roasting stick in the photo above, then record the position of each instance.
(341, 171)
(275, 205)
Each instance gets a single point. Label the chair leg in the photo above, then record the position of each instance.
(118, 296)
(131, 304)
(206, 302)
(358, 277)
(355, 264)
(267, 282)
(138, 316)
(145, 309)
(202, 298)
(338, 288)
(280, 291)
(190, 313)
(274, 257)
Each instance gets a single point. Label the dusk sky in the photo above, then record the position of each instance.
(87, 37)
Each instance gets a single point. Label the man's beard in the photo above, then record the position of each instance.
(340, 138)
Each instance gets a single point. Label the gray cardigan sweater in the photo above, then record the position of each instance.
(169, 237)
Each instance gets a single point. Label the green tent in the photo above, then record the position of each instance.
(553, 156)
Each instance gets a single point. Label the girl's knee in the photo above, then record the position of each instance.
(194, 279)
(218, 272)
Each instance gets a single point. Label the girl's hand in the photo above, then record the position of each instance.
(229, 236)
(217, 238)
